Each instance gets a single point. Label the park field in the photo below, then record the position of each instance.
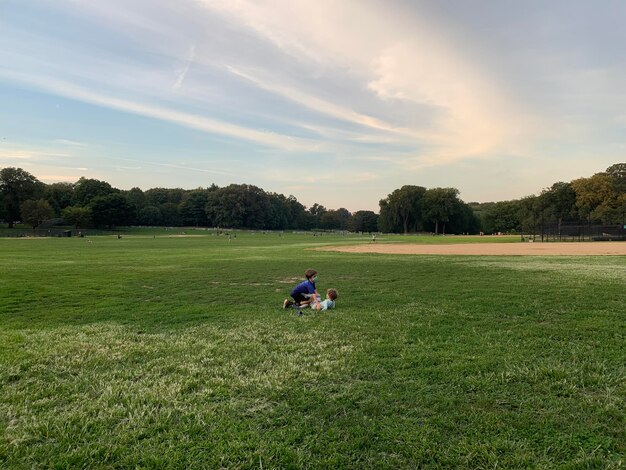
(171, 350)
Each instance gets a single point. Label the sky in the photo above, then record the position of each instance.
(334, 102)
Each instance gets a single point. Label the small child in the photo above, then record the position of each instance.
(328, 303)
(304, 293)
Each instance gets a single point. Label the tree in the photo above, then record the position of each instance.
(316, 210)
(598, 198)
(59, 195)
(240, 206)
(16, 186)
(344, 216)
(440, 204)
(464, 220)
(527, 214)
(330, 220)
(136, 198)
(280, 212)
(192, 209)
(559, 202)
(79, 217)
(501, 217)
(149, 215)
(3, 211)
(111, 210)
(157, 196)
(86, 190)
(170, 214)
(363, 221)
(34, 213)
(402, 209)
(618, 173)
(160, 196)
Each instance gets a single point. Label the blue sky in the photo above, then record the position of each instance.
(337, 103)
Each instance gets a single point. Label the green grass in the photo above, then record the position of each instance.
(173, 353)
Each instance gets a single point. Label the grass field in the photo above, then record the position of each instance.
(174, 352)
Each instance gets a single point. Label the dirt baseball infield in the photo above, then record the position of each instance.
(491, 249)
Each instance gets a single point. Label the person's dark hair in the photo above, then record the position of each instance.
(331, 294)
(309, 273)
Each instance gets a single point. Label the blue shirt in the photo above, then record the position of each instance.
(305, 287)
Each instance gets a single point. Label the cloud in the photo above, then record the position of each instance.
(405, 60)
(176, 166)
(322, 106)
(57, 178)
(21, 154)
(194, 121)
(69, 142)
(183, 73)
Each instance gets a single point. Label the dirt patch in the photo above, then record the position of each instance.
(490, 249)
(184, 236)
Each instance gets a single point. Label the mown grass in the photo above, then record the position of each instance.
(173, 353)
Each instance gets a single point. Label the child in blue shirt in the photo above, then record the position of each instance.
(305, 293)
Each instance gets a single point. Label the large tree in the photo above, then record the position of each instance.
(16, 186)
(501, 217)
(330, 220)
(79, 217)
(281, 213)
(363, 221)
(192, 209)
(59, 195)
(34, 213)
(402, 210)
(170, 214)
(149, 215)
(440, 204)
(111, 210)
(559, 203)
(136, 198)
(598, 198)
(240, 206)
(159, 196)
(86, 189)
(317, 210)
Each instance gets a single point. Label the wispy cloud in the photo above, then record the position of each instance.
(410, 62)
(28, 154)
(177, 166)
(322, 106)
(389, 92)
(57, 178)
(75, 92)
(69, 142)
(185, 70)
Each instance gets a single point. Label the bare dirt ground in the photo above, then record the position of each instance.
(490, 249)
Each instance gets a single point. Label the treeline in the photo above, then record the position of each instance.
(94, 203)
(417, 209)
(599, 199)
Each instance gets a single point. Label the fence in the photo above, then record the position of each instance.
(578, 232)
(53, 232)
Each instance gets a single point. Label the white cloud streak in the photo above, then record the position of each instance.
(193, 121)
(183, 73)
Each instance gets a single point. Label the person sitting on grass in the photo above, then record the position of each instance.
(304, 293)
(328, 303)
